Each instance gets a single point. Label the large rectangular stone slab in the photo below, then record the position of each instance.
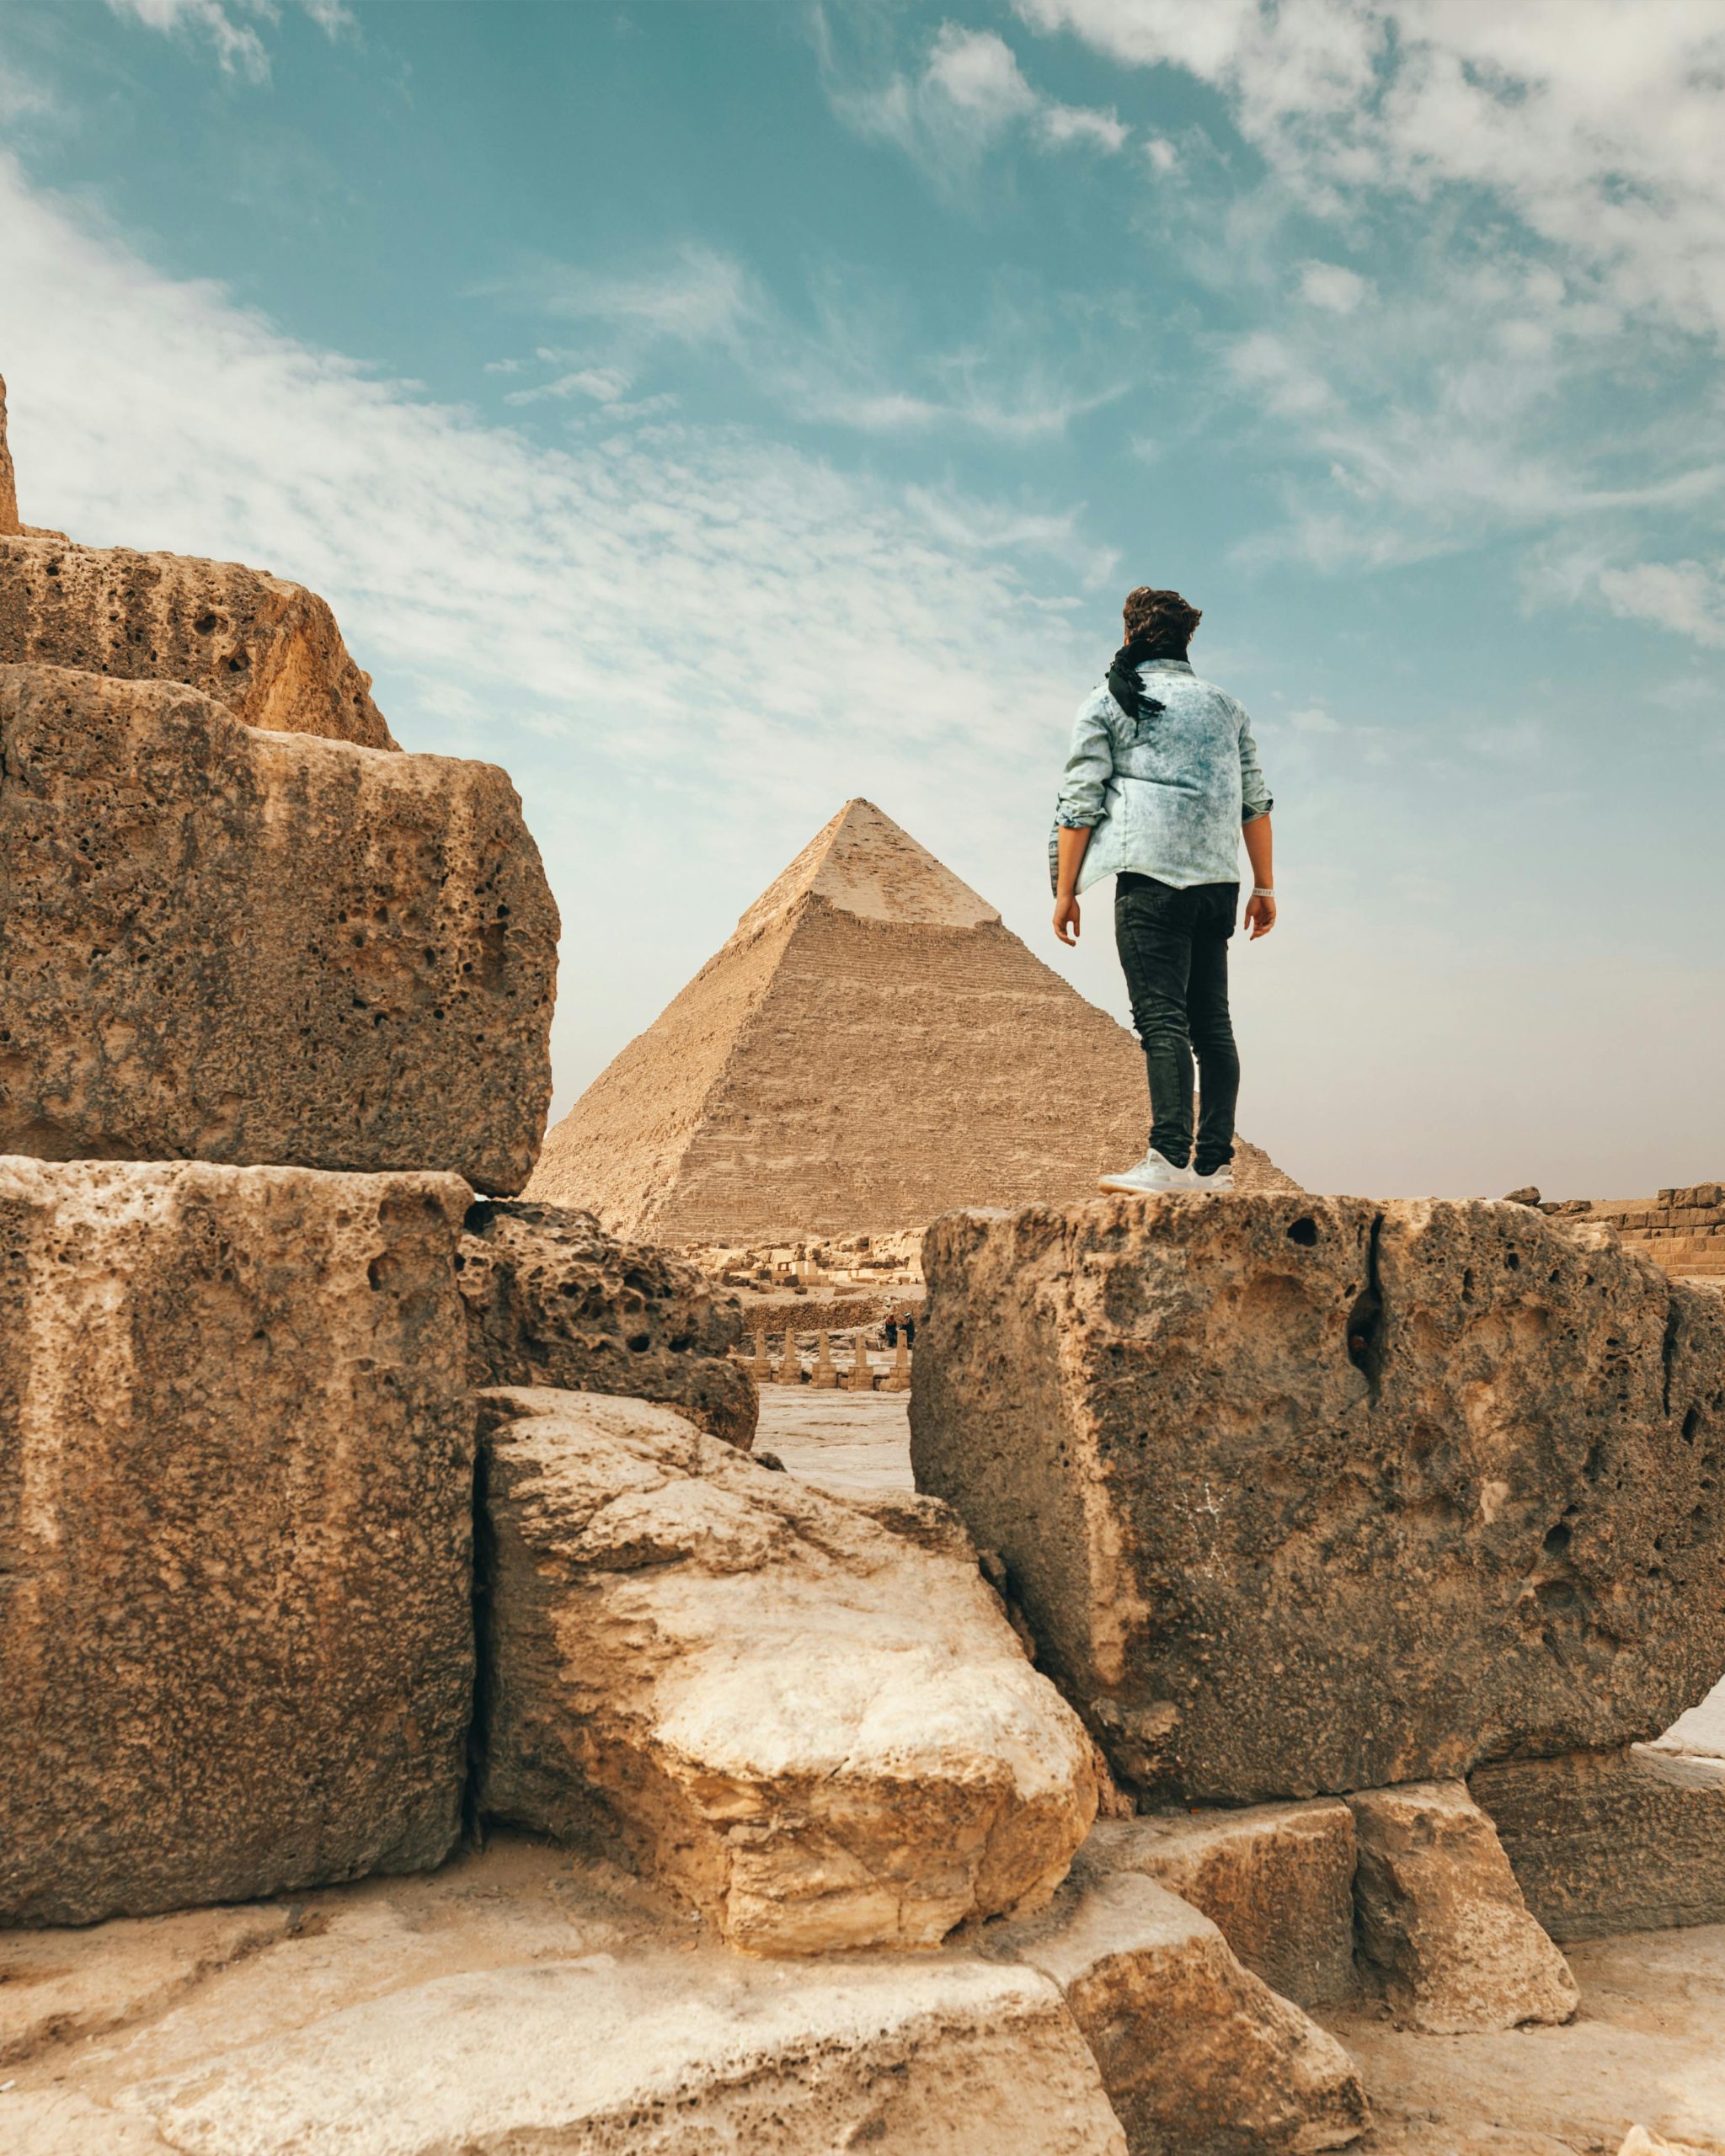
(235, 1533)
(1305, 1495)
(228, 945)
(1609, 1842)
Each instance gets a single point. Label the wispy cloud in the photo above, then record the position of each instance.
(1687, 597)
(968, 95)
(230, 25)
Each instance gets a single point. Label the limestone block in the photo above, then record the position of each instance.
(552, 1300)
(269, 651)
(261, 947)
(1442, 1922)
(908, 2058)
(819, 1733)
(1200, 2056)
(1277, 1880)
(235, 1514)
(1606, 1842)
(1306, 1495)
(1699, 1730)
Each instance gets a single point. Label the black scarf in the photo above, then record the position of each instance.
(1124, 686)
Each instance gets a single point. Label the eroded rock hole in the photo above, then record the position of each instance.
(1304, 1231)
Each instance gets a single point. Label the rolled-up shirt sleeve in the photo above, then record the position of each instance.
(1255, 800)
(1090, 765)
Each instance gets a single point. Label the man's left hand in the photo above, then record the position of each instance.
(1260, 915)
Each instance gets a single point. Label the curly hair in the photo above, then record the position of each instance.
(1160, 623)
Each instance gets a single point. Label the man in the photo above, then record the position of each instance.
(1161, 784)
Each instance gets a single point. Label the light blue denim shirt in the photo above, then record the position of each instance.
(1166, 795)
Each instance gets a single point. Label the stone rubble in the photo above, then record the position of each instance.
(1443, 1926)
(822, 1734)
(1311, 1495)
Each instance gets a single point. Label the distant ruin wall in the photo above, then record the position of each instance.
(1682, 1230)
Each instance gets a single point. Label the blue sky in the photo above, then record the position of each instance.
(710, 410)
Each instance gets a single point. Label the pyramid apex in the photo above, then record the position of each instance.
(862, 863)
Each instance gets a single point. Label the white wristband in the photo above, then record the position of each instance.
(1262, 891)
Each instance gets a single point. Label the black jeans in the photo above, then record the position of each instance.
(1173, 945)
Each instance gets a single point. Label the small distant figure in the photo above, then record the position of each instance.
(1161, 782)
(891, 1330)
(907, 1326)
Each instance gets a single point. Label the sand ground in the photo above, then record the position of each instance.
(841, 1441)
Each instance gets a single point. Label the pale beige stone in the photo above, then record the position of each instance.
(228, 945)
(1700, 1730)
(948, 2058)
(871, 1047)
(520, 2000)
(1200, 2056)
(236, 1644)
(821, 1734)
(267, 650)
(1442, 1921)
(58, 1986)
(552, 1300)
(1276, 1880)
(1309, 1495)
(1607, 1842)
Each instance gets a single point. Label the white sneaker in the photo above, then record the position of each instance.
(1151, 1173)
(1221, 1178)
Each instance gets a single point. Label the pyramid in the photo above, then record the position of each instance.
(872, 1048)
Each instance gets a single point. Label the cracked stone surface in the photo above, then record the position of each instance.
(821, 1731)
(525, 1999)
(1310, 1495)
(222, 944)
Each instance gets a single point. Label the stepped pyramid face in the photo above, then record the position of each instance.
(872, 1047)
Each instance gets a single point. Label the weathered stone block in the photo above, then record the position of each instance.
(897, 2058)
(1442, 1921)
(1199, 2057)
(267, 650)
(1606, 1842)
(1277, 1880)
(552, 1300)
(1308, 1494)
(819, 1733)
(226, 945)
(235, 1532)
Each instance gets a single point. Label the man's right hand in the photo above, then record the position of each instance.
(1067, 919)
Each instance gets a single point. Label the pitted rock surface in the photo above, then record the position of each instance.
(821, 1734)
(235, 1636)
(1306, 1495)
(552, 1300)
(267, 650)
(222, 944)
